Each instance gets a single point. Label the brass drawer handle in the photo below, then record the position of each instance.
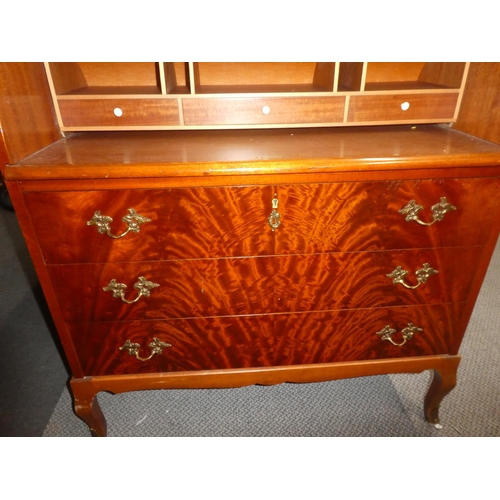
(407, 333)
(422, 274)
(274, 219)
(438, 210)
(118, 289)
(156, 348)
(133, 221)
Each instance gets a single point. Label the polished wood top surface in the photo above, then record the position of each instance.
(242, 152)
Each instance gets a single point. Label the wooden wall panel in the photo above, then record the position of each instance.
(480, 109)
(26, 113)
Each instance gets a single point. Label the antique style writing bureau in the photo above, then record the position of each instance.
(202, 225)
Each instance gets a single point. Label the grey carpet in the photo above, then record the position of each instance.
(32, 373)
(373, 406)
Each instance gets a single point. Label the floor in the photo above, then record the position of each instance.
(32, 372)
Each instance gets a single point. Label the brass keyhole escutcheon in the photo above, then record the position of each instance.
(274, 219)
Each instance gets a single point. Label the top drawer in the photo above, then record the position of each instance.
(190, 223)
(364, 216)
(89, 227)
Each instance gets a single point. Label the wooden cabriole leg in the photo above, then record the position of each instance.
(443, 382)
(87, 407)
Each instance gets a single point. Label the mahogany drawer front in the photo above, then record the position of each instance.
(362, 216)
(260, 341)
(183, 224)
(351, 335)
(263, 110)
(402, 107)
(195, 344)
(187, 288)
(259, 285)
(360, 279)
(60, 221)
(191, 223)
(132, 112)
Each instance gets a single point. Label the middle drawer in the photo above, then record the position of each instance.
(259, 285)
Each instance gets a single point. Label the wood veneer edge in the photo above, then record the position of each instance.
(247, 170)
(53, 95)
(30, 238)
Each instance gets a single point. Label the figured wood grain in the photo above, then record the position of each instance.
(350, 335)
(359, 280)
(196, 344)
(188, 288)
(60, 221)
(365, 216)
(219, 287)
(232, 221)
(185, 223)
(262, 341)
(242, 347)
(217, 222)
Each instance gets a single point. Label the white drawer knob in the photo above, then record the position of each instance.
(266, 110)
(118, 112)
(405, 105)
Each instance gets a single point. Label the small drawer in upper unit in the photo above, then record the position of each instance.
(263, 110)
(120, 112)
(402, 107)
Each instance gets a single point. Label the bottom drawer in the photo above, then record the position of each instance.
(351, 335)
(261, 341)
(195, 344)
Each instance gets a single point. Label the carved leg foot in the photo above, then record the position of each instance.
(444, 380)
(87, 408)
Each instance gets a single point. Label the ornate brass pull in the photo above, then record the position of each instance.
(133, 221)
(438, 210)
(274, 219)
(407, 333)
(156, 348)
(118, 289)
(422, 274)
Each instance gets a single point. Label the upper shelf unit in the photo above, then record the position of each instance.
(205, 95)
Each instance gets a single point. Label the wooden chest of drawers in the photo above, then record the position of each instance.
(202, 260)
(222, 258)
